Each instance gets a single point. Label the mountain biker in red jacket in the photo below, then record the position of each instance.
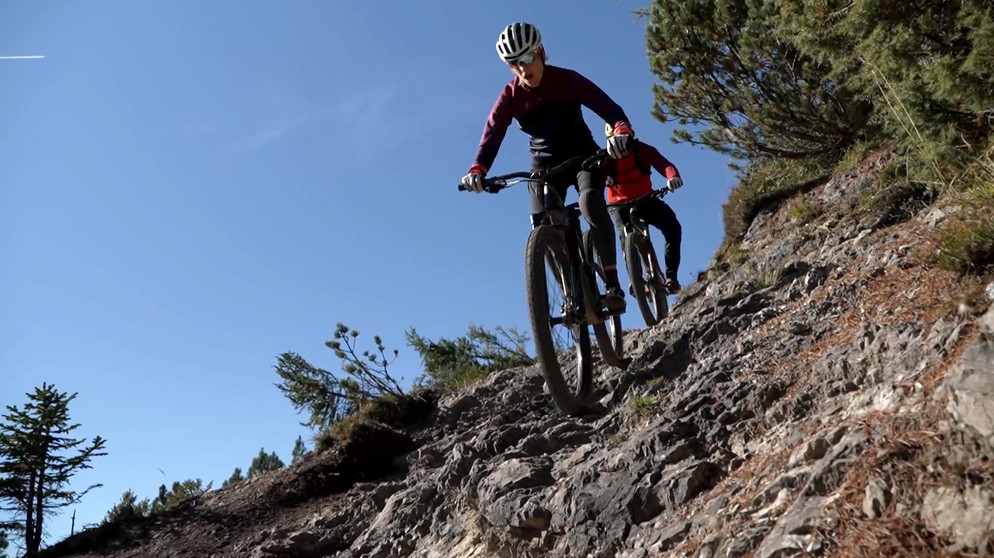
(547, 102)
(628, 179)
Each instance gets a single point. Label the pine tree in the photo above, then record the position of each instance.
(263, 463)
(299, 451)
(926, 65)
(38, 458)
(448, 362)
(7, 528)
(235, 478)
(739, 85)
(327, 397)
(168, 499)
(128, 507)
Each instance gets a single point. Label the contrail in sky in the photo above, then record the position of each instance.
(20, 57)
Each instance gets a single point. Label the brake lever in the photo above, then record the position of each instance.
(595, 162)
(494, 186)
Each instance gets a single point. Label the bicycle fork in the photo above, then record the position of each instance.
(654, 272)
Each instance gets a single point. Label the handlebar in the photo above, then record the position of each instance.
(653, 194)
(497, 183)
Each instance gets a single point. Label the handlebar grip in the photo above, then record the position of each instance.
(487, 187)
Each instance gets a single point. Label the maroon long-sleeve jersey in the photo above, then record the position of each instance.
(550, 114)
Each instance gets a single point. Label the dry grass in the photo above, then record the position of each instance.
(644, 405)
(801, 210)
(767, 186)
(856, 155)
(964, 242)
(904, 448)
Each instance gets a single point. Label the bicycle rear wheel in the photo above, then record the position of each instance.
(609, 335)
(649, 287)
(556, 327)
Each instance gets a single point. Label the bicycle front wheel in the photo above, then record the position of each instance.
(649, 288)
(562, 340)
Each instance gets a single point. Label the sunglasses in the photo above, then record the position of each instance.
(524, 60)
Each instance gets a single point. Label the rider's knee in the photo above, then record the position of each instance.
(594, 208)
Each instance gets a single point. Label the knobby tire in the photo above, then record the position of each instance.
(540, 274)
(649, 295)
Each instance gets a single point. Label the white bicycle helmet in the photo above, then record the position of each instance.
(517, 39)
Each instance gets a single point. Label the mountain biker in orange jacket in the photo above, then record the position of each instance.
(547, 102)
(629, 178)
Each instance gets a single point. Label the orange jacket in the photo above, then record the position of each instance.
(628, 179)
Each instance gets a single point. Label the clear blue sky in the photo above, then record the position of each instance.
(188, 189)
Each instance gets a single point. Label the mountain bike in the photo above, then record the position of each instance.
(648, 282)
(558, 250)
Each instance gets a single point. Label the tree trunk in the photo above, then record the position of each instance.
(39, 505)
(29, 516)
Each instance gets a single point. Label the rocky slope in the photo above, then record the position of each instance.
(823, 394)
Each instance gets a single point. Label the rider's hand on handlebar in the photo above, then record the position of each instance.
(674, 183)
(473, 181)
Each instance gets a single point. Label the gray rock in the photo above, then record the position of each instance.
(935, 216)
(809, 451)
(680, 486)
(877, 497)
(518, 513)
(460, 405)
(515, 474)
(970, 389)
(797, 531)
(537, 444)
(967, 516)
(669, 536)
(459, 464)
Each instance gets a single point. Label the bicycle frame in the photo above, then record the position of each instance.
(635, 224)
(583, 309)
